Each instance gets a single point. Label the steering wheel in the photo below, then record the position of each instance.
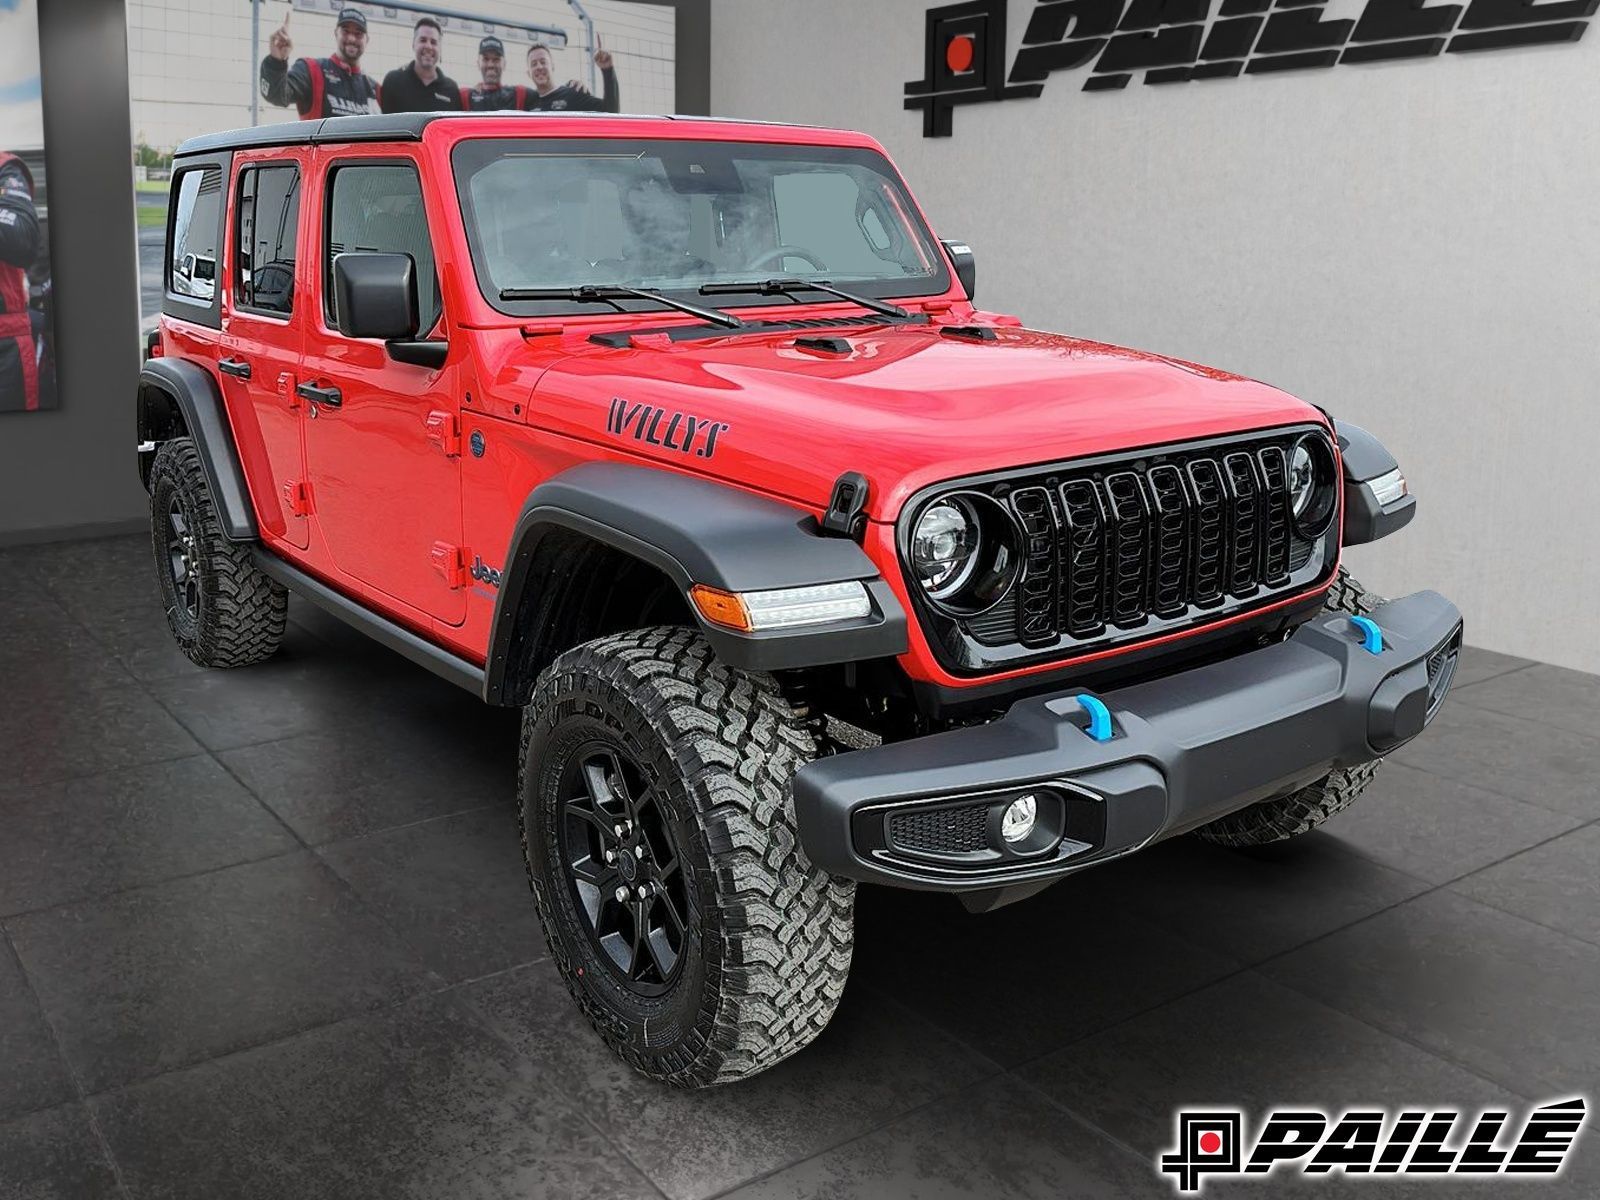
(777, 254)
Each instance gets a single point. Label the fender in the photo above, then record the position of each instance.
(1365, 459)
(195, 393)
(696, 531)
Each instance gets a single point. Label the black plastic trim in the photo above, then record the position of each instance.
(195, 392)
(1186, 748)
(380, 629)
(697, 531)
(1365, 459)
(1364, 455)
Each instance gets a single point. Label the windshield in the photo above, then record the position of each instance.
(675, 216)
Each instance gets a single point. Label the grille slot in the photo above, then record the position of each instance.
(941, 831)
(1036, 606)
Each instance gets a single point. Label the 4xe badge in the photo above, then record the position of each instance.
(1373, 1142)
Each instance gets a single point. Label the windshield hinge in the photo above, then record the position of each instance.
(847, 507)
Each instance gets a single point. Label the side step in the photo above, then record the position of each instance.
(397, 637)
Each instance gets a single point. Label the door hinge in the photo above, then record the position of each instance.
(297, 497)
(444, 430)
(286, 382)
(451, 562)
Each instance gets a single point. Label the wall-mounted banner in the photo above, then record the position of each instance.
(1175, 41)
(27, 335)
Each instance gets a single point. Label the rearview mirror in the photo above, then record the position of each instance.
(375, 295)
(966, 266)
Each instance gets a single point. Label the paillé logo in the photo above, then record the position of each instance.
(1175, 41)
(1373, 1141)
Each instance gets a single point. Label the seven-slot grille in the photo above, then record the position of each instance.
(1162, 536)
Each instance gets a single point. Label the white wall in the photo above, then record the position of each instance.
(1414, 246)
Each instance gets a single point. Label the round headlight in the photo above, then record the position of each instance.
(1313, 488)
(964, 552)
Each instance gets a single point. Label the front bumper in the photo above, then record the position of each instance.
(1183, 750)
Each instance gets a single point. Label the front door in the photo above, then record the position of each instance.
(382, 437)
(262, 337)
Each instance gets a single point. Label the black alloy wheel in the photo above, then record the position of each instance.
(626, 873)
(182, 560)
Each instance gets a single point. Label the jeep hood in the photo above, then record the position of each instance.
(906, 406)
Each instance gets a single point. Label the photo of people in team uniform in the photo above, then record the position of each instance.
(239, 63)
(27, 336)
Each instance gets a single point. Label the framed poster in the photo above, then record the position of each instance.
(27, 333)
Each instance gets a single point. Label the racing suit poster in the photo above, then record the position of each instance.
(204, 66)
(27, 335)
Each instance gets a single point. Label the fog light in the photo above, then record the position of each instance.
(1017, 823)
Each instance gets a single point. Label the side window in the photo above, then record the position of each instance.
(196, 220)
(266, 219)
(378, 209)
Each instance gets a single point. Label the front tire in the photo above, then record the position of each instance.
(1301, 811)
(223, 612)
(664, 859)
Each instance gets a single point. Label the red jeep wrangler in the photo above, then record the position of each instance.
(685, 437)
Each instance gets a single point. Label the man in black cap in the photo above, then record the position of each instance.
(489, 95)
(420, 86)
(321, 87)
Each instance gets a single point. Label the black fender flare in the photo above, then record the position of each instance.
(193, 389)
(698, 531)
(1365, 459)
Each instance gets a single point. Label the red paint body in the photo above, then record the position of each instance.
(907, 407)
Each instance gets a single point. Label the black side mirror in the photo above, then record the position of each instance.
(966, 266)
(375, 295)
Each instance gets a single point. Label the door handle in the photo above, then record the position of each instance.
(328, 397)
(237, 367)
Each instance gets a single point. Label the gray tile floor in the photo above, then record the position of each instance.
(265, 933)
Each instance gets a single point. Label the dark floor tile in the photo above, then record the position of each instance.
(1250, 904)
(83, 717)
(1475, 665)
(1555, 696)
(1556, 884)
(455, 889)
(415, 1102)
(54, 1155)
(77, 838)
(32, 1075)
(372, 774)
(1245, 1043)
(1439, 829)
(1031, 977)
(1540, 763)
(151, 980)
(1511, 1000)
(873, 1062)
(991, 1142)
(37, 630)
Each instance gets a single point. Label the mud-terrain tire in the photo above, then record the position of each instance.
(223, 612)
(705, 755)
(1301, 811)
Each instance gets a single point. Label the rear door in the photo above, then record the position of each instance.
(266, 295)
(384, 459)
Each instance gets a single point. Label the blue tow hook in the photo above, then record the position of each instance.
(1371, 635)
(1099, 717)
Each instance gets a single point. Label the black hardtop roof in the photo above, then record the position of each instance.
(395, 127)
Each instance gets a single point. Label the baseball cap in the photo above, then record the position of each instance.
(492, 45)
(352, 16)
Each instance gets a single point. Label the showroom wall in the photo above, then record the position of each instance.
(1413, 245)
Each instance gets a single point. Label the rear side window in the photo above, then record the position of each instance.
(267, 217)
(377, 208)
(196, 223)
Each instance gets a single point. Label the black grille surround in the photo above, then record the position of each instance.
(1122, 548)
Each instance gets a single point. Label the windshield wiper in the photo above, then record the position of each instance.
(610, 293)
(786, 287)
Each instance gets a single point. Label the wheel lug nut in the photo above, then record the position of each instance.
(622, 895)
(638, 851)
(617, 829)
(611, 856)
(643, 891)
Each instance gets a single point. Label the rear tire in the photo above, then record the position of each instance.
(223, 612)
(1303, 810)
(735, 955)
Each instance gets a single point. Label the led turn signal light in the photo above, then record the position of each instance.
(782, 608)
